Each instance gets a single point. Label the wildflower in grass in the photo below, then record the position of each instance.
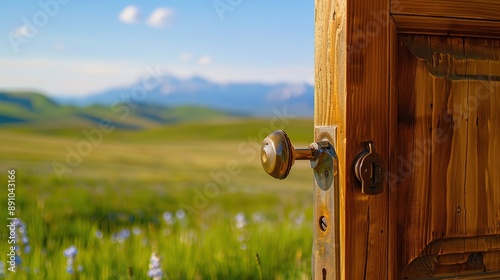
(155, 272)
(181, 217)
(241, 221)
(120, 236)
(22, 237)
(180, 214)
(22, 240)
(124, 233)
(241, 239)
(299, 219)
(136, 230)
(258, 217)
(17, 260)
(2, 270)
(70, 254)
(98, 234)
(168, 217)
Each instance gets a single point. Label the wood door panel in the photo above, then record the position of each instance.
(456, 257)
(448, 150)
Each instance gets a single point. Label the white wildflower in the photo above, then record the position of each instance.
(168, 217)
(136, 230)
(155, 272)
(70, 254)
(240, 220)
(180, 214)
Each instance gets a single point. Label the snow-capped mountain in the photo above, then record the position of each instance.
(255, 99)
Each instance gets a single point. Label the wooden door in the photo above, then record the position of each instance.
(421, 79)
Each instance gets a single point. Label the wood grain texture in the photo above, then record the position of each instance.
(367, 119)
(330, 53)
(426, 25)
(465, 9)
(393, 260)
(448, 156)
(351, 92)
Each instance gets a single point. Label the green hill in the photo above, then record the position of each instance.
(26, 109)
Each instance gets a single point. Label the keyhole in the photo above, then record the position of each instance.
(375, 174)
(324, 273)
(369, 169)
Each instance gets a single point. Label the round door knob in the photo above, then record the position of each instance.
(278, 155)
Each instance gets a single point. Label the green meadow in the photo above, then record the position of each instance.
(193, 193)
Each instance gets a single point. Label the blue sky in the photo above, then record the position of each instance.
(74, 47)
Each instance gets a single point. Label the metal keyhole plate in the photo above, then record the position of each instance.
(370, 169)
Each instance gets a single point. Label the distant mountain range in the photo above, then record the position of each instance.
(255, 99)
(158, 102)
(40, 112)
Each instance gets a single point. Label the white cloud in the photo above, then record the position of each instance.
(23, 30)
(185, 57)
(129, 15)
(161, 17)
(68, 77)
(205, 60)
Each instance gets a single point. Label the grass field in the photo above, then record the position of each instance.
(194, 194)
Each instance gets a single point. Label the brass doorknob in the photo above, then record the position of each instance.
(278, 155)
